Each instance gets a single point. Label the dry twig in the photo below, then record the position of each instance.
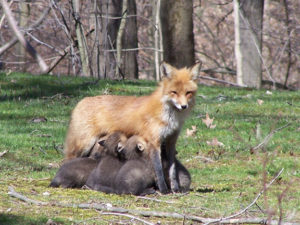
(105, 207)
(127, 215)
(13, 25)
(251, 204)
(269, 136)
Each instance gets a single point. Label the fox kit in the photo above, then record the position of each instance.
(74, 173)
(109, 164)
(137, 176)
(158, 118)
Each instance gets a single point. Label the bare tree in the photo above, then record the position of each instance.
(110, 14)
(118, 71)
(177, 32)
(82, 43)
(129, 66)
(21, 38)
(23, 20)
(248, 41)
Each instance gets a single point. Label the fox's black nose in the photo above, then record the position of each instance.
(184, 106)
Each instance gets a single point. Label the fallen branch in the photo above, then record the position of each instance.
(108, 208)
(251, 204)
(221, 81)
(154, 199)
(127, 215)
(3, 153)
(15, 194)
(269, 136)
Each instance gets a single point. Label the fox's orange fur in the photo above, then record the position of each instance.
(157, 118)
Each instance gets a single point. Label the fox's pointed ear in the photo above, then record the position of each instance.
(195, 71)
(101, 142)
(140, 147)
(166, 70)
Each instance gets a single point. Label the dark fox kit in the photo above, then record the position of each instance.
(74, 173)
(135, 174)
(109, 164)
(118, 165)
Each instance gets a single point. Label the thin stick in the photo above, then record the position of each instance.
(269, 136)
(154, 199)
(251, 204)
(13, 25)
(221, 81)
(175, 215)
(13, 193)
(127, 215)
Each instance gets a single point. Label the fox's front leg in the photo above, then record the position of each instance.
(157, 165)
(171, 152)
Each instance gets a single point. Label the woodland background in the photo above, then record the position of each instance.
(85, 38)
(244, 163)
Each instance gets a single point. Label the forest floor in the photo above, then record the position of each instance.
(234, 143)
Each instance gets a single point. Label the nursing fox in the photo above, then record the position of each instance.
(158, 118)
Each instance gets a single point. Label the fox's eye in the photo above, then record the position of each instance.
(174, 92)
(189, 93)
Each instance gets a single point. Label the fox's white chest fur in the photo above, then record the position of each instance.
(173, 118)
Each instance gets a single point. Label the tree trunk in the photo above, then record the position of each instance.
(129, 66)
(177, 32)
(248, 41)
(82, 45)
(23, 20)
(157, 38)
(118, 71)
(110, 14)
(110, 10)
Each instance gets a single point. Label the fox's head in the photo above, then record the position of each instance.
(179, 85)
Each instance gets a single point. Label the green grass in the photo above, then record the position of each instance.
(219, 188)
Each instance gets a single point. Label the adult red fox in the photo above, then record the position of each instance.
(158, 118)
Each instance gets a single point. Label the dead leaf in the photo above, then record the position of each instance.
(46, 193)
(209, 122)
(8, 210)
(269, 93)
(191, 132)
(215, 142)
(38, 120)
(260, 102)
(53, 165)
(3, 153)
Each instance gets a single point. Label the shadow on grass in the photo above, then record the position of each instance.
(10, 219)
(209, 190)
(26, 86)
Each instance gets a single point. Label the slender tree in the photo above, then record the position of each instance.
(177, 32)
(110, 12)
(129, 66)
(248, 41)
(23, 20)
(82, 44)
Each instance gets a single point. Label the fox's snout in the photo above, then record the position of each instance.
(184, 106)
(180, 105)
